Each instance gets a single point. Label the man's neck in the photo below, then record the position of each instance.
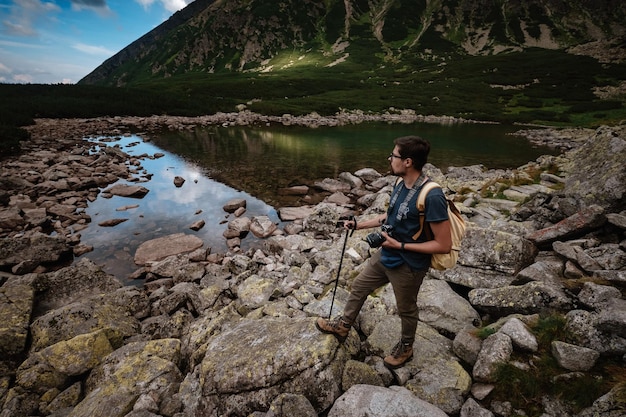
(410, 177)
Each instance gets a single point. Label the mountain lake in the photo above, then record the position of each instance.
(223, 163)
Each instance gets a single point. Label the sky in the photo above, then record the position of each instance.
(53, 41)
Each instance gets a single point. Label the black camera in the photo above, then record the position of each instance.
(376, 239)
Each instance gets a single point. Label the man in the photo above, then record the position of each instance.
(401, 261)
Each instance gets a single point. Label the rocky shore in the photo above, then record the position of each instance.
(233, 334)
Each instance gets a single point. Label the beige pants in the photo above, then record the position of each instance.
(405, 284)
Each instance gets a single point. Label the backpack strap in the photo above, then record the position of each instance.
(421, 205)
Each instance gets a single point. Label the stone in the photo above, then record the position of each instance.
(262, 226)
(234, 204)
(576, 225)
(365, 400)
(123, 190)
(520, 335)
(178, 181)
(160, 248)
(572, 357)
(496, 350)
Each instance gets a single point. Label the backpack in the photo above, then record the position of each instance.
(442, 261)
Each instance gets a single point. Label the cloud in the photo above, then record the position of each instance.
(24, 16)
(98, 6)
(23, 78)
(4, 69)
(93, 49)
(169, 5)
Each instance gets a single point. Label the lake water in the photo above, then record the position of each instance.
(253, 163)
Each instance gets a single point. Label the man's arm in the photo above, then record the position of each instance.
(441, 242)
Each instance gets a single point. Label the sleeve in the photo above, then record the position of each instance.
(436, 206)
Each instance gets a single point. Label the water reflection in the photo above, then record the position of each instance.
(165, 210)
(262, 160)
(255, 163)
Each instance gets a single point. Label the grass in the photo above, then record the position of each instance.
(525, 388)
(535, 86)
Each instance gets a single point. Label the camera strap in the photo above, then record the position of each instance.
(403, 210)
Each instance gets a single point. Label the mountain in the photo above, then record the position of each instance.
(270, 36)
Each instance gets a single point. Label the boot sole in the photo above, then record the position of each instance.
(340, 338)
(400, 365)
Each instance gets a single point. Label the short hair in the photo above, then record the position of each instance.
(414, 147)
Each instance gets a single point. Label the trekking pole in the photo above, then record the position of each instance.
(345, 241)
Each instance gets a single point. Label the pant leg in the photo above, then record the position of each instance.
(406, 285)
(373, 276)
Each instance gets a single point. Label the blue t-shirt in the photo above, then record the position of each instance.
(436, 210)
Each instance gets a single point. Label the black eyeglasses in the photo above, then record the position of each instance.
(393, 155)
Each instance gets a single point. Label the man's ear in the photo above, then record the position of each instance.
(408, 162)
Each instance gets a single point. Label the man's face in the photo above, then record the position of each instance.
(397, 164)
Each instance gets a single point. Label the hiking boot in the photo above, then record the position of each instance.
(339, 327)
(400, 354)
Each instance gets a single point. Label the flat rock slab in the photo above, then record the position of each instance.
(123, 190)
(162, 247)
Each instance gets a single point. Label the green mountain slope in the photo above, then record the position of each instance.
(263, 36)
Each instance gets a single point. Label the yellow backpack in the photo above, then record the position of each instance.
(442, 261)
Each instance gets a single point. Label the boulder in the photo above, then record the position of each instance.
(249, 365)
(124, 190)
(365, 400)
(160, 248)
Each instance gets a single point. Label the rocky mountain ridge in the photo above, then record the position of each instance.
(261, 36)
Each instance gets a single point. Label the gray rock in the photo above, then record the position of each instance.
(78, 282)
(443, 309)
(262, 226)
(238, 227)
(612, 318)
(583, 328)
(496, 350)
(17, 296)
(495, 250)
(353, 180)
(39, 247)
(79, 318)
(162, 247)
(576, 225)
(472, 409)
(232, 205)
(281, 355)
(112, 390)
(362, 400)
(124, 190)
(287, 405)
(520, 335)
(596, 296)
(356, 372)
(368, 174)
(474, 277)
(572, 357)
(467, 345)
(609, 405)
(332, 185)
(530, 298)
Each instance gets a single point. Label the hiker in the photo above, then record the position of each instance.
(401, 261)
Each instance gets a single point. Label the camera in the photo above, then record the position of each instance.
(376, 239)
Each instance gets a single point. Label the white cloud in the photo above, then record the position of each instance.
(24, 15)
(4, 68)
(93, 49)
(169, 5)
(174, 5)
(23, 78)
(98, 6)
